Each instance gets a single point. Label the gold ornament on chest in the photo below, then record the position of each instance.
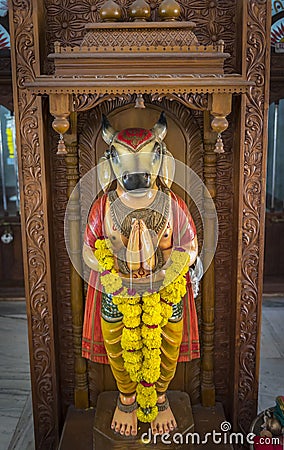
(136, 234)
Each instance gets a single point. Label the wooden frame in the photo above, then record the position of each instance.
(249, 177)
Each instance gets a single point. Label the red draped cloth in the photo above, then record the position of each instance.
(92, 342)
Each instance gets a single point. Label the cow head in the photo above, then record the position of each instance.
(136, 157)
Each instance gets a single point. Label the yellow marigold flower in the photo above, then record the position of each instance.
(126, 345)
(99, 244)
(183, 257)
(150, 310)
(151, 354)
(130, 310)
(131, 335)
(131, 322)
(132, 299)
(151, 299)
(134, 371)
(147, 417)
(132, 357)
(111, 283)
(104, 254)
(153, 363)
(151, 375)
(145, 390)
(167, 311)
(170, 295)
(151, 336)
(152, 319)
(104, 244)
(147, 401)
(131, 339)
(118, 299)
(108, 263)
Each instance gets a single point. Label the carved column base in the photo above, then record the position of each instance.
(208, 396)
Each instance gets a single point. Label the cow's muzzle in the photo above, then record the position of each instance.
(132, 181)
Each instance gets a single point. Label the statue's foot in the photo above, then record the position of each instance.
(165, 420)
(124, 420)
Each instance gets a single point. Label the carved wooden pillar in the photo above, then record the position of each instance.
(75, 248)
(35, 210)
(208, 303)
(251, 213)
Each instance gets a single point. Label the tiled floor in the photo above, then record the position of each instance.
(15, 405)
(16, 431)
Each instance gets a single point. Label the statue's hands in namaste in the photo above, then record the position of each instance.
(140, 248)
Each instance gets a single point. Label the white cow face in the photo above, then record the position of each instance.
(135, 155)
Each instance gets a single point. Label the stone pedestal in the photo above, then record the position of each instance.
(84, 431)
(105, 438)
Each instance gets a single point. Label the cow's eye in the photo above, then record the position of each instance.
(113, 154)
(156, 152)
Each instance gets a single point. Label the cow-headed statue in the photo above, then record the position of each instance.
(140, 241)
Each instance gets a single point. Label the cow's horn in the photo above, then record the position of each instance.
(160, 129)
(107, 131)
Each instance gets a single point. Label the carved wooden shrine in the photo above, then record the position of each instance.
(70, 65)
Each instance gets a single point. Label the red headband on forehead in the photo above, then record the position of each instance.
(134, 137)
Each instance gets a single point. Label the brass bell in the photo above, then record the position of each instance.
(61, 147)
(219, 146)
(139, 103)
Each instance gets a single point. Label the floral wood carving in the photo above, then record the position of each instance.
(253, 207)
(214, 20)
(147, 37)
(193, 101)
(37, 269)
(84, 102)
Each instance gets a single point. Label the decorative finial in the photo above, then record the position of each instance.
(110, 12)
(221, 45)
(169, 10)
(140, 11)
(57, 47)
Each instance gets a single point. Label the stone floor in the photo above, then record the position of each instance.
(16, 429)
(15, 400)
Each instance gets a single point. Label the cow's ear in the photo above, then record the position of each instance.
(160, 128)
(105, 173)
(107, 131)
(167, 169)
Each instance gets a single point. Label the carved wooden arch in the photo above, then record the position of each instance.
(89, 126)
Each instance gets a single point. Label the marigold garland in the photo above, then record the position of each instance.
(143, 319)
